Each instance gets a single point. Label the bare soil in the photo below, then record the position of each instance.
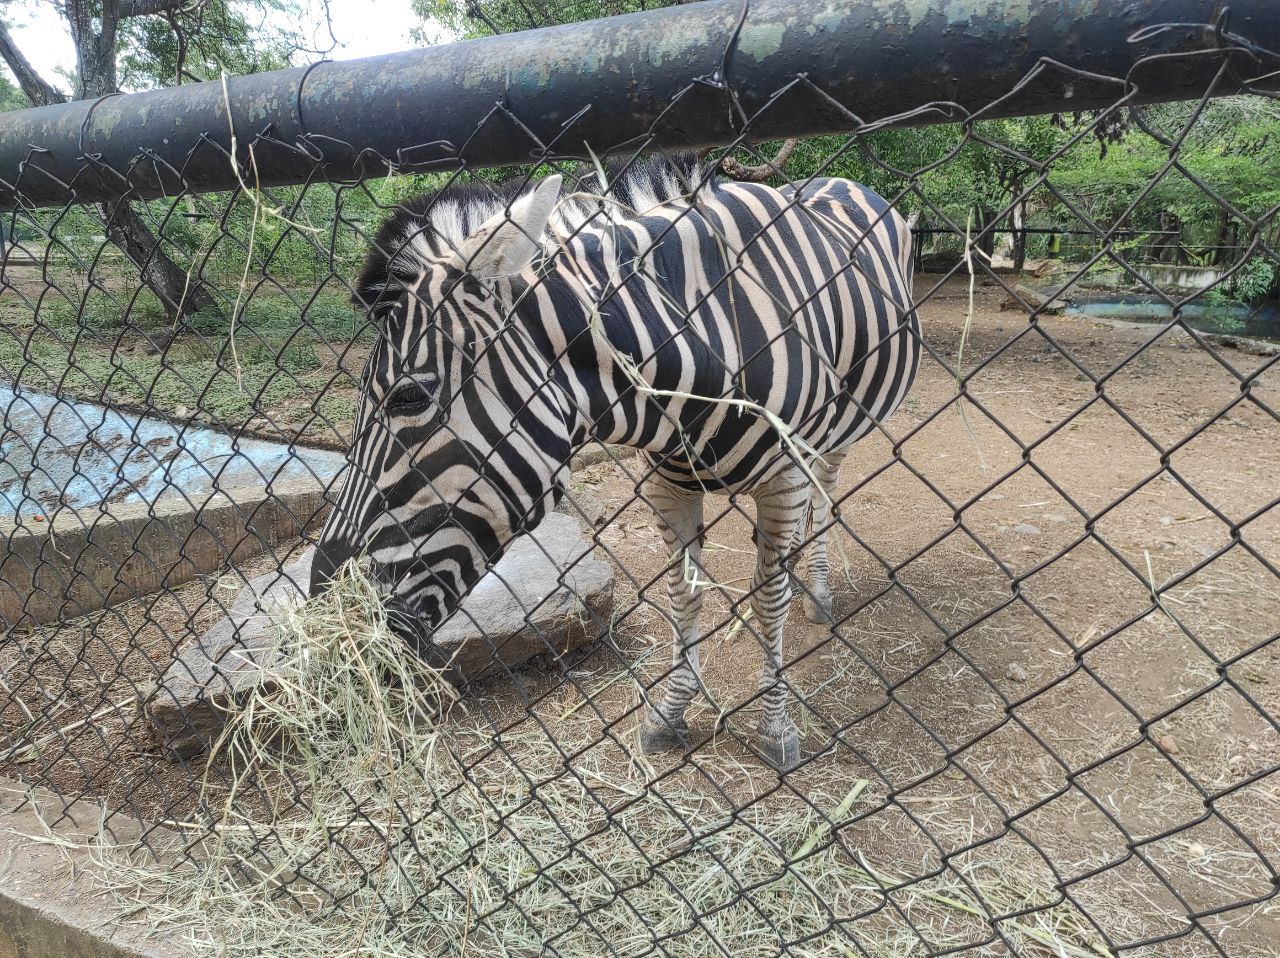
(1002, 676)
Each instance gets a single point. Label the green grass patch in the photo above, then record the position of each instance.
(285, 356)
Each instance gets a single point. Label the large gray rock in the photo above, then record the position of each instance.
(547, 595)
(189, 707)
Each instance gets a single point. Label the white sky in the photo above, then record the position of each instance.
(362, 27)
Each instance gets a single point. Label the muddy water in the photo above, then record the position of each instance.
(1253, 322)
(58, 453)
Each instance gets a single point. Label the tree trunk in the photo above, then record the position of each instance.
(1164, 244)
(93, 30)
(179, 294)
(1221, 239)
(986, 241)
(1020, 236)
(94, 34)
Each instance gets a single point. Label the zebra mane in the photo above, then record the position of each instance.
(424, 229)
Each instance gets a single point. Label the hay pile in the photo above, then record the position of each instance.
(354, 808)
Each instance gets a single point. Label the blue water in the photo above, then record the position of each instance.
(57, 453)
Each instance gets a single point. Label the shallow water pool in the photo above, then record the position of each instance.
(57, 453)
(1253, 323)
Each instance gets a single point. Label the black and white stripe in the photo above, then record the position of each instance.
(681, 315)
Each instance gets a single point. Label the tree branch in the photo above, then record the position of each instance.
(144, 8)
(37, 89)
(736, 170)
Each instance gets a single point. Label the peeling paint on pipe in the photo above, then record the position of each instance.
(652, 77)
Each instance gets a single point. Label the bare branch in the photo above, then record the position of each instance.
(736, 170)
(37, 89)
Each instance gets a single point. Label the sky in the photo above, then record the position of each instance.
(362, 27)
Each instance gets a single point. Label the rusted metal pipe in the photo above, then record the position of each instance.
(660, 78)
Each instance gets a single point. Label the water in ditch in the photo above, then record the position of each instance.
(61, 453)
(1250, 322)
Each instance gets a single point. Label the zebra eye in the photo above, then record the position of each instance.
(414, 394)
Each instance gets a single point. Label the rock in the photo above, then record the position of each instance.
(585, 507)
(190, 703)
(593, 453)
(521, 609)
(1015, 673)
(548, 594)
(1167, 744)
(1027, 529)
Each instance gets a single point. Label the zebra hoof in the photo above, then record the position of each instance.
(817, 607)
(782, 751)
(658, 734)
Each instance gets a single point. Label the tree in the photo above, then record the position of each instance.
(479, 18)
(156, 42)
(1228, 151)
(11, 98)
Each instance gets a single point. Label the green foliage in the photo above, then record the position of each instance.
(936, 170)
(481, 18)
(1255, 279)
(1250, 284)
(100, 313)
(1230, 150)
(284, 357)
(211, 38)
(11, 98)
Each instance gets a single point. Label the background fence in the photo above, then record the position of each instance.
(1042, 716)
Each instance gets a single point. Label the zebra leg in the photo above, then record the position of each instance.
(781, 504)
(817, 567)
(680, 516)
(794, 559)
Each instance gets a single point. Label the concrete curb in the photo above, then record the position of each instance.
(49, 904)
(84, 561)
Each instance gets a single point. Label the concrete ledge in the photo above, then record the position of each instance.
(88, 560)
(50, 906)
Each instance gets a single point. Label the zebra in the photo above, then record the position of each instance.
(741, 337)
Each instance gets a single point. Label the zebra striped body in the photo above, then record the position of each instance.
(780, 316)
(731, 333)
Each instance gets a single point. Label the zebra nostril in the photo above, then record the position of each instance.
(403, 620)
(412, 629)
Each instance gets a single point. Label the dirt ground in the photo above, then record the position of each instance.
(1019, 709)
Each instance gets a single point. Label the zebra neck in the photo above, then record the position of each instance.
(621, 369)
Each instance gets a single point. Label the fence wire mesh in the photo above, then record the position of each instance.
(1035, 715)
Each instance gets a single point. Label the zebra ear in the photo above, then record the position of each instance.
(507, 242)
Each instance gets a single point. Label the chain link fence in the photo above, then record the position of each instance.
(1037, 715)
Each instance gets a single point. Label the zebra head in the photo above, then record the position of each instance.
(462, 435)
